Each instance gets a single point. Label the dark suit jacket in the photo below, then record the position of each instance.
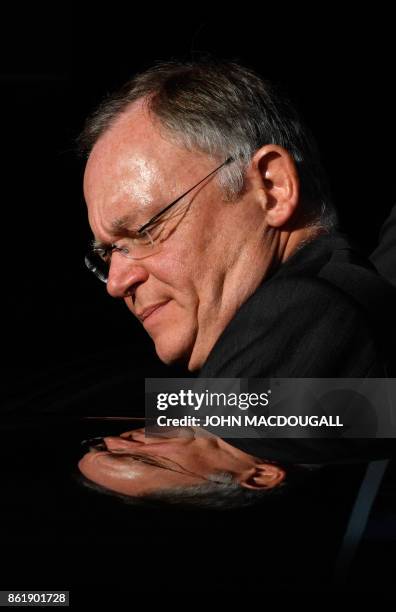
(384, 256)
(325, 312)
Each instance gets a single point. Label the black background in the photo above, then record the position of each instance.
(66, 345)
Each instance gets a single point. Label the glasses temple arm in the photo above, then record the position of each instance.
(161, 212)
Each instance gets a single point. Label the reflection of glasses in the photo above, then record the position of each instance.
(158, 461)
(140, 243)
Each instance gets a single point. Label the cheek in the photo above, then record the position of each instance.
(190, 268)
(177, 273)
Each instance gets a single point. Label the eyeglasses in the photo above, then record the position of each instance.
(146, 241)
(158, 461)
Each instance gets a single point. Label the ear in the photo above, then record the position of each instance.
(263, 476)
(273, 175)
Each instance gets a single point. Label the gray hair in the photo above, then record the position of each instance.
(222, 109)
(224, 493)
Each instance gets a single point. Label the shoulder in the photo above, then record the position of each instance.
(296, 326)
(298, 298)
(322, 314)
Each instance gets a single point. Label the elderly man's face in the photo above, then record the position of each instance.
(134, 464)
(185, 294)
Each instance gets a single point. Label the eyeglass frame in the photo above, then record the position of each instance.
(163, 210)
(155, 218)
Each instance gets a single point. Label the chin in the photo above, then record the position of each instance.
(173, 348)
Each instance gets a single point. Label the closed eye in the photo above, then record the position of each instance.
(159, 225)
(148, 459)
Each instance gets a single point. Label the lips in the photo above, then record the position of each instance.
(144, 314)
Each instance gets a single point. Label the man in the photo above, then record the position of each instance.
(212, 220)
(200, 469)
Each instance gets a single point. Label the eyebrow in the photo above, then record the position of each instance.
(121, 224)
(119, 227)
(146, 458)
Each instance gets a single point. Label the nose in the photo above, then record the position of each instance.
(115, 443)
(125, 275)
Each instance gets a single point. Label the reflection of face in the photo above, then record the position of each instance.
(207, 267)
(133, 464)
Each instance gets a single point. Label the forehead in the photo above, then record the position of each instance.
(133, 167)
